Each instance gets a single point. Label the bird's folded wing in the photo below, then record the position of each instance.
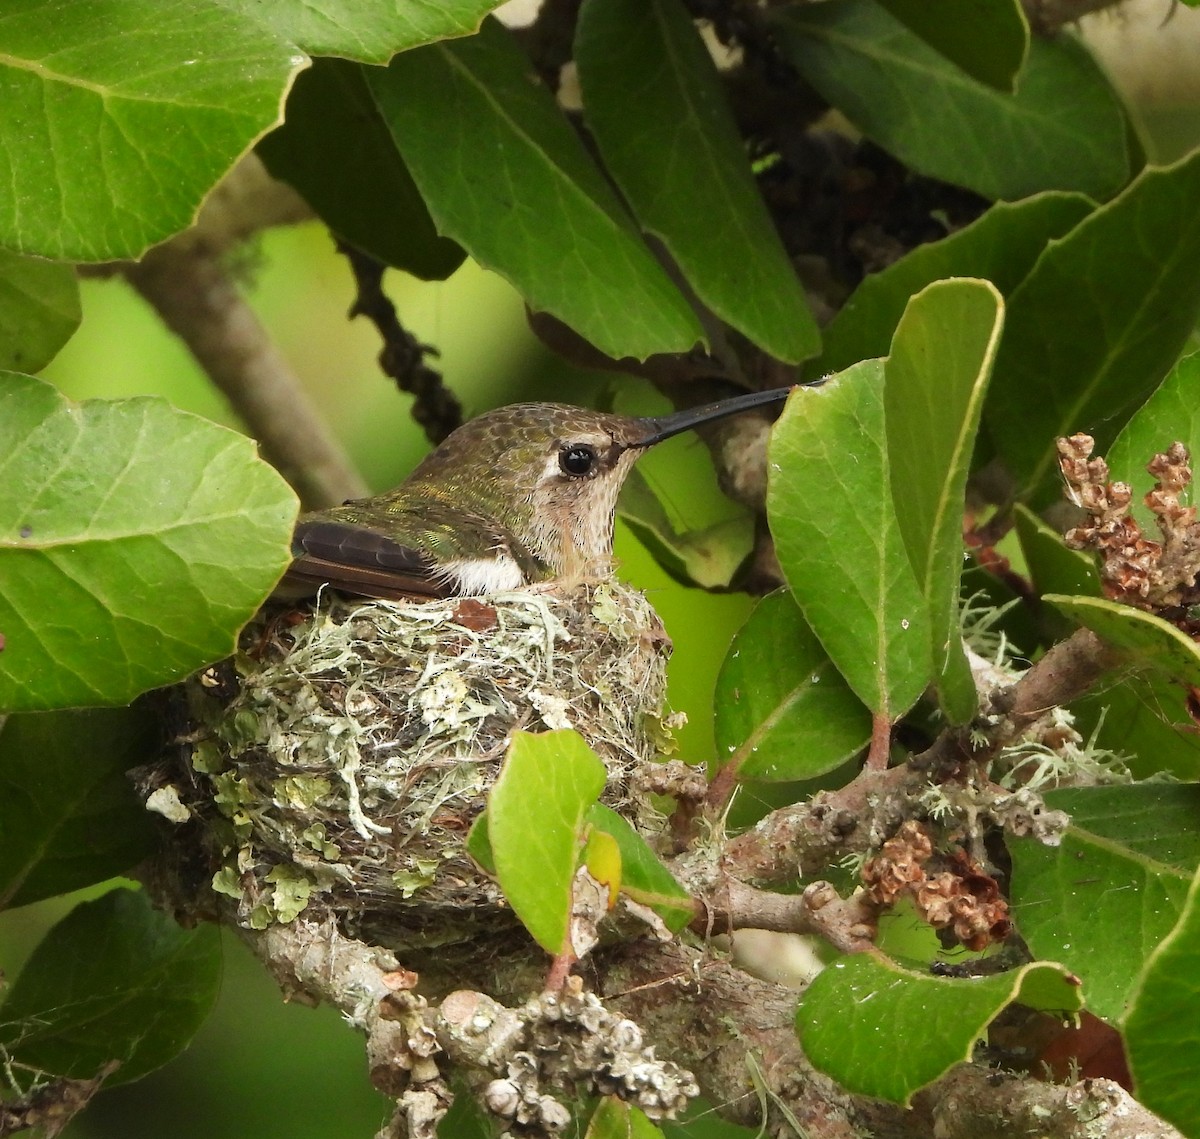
(356, 559)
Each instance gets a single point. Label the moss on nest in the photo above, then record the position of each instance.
(338, 761)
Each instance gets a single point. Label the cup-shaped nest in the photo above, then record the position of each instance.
(335, 765)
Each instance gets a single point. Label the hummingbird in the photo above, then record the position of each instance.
(519, 495)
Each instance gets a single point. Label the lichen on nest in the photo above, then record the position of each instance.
(339, 759)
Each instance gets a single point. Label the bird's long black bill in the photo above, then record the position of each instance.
(659, 427)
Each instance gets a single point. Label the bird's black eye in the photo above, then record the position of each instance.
(578, 459)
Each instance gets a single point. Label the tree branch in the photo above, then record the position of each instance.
(186, 281)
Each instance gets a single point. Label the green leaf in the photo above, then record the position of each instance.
(643, 876)
(616, 1119)
(1102, 900)
(1170, 415)
(783, 712)
(885, 1031)
(68, 813)
(505, 175)
(657, 110)
(838, 539)
(1001, 246)
(39, 310)
(1146, 719)
(371, 31)
(114, 980)
(1162, 1027)
(118, 121)
(1098, 323)
(1064, 129)
(708, 557)
(536, 815)
(988, 39)
(135, 540)
(1054, 567)
(1148, 641)
(336, 151)
(936, 377)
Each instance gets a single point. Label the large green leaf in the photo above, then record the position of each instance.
(936, 376)
(1170, 415)
(1149, 642)
(1102, 900)
(39, 310)
(119, 118)
(1064, 129)
(116, 979)
(829, 503)
(335, 150)
(368, 30)
(1001, 247)
(135, 540)
(656, 107)
(1098, 323)
(988, 39)
(505, 175)
(885, 1031)
(783, 712)
(536, 823)
(1162, 1027)
(68, 813)
(1146, 719)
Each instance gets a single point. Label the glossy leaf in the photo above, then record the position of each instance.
(1162, 1027)
(1104, 899)
(1146, 719)
(118, 121)
(371, 31)
(1054, 567)
(1170, 415)
(68, 812)
(669, 139)
(1001, 246)
(39, 310)
(1098, 323)
(885, 1031)
(988, 39)
(839, 542)
(783, 711)
(1147, 640)
(536, 827)
(708, 557)
(120, 570)
(936, 377)
(1064, 129)
(336, 151)
(116, 979)
(616, 1119)
(505, 175)
(643, 876)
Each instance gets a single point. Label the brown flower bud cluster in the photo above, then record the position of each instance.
(1134, 569)
(962, 898)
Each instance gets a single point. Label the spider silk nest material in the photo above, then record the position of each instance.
(337, 762)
